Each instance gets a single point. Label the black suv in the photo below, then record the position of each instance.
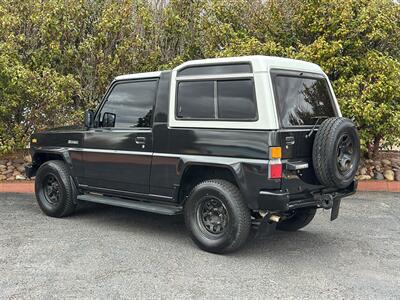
(228, 142)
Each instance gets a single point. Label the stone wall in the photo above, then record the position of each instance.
(13, 168)
(382, 169)
(388, 169)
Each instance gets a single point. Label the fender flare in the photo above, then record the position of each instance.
(60, 152)
(239, 167)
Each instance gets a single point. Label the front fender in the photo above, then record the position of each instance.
(42, 154)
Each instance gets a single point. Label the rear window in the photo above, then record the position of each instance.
(302, 99)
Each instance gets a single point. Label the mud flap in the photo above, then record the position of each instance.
(265, 228)
(335, 208)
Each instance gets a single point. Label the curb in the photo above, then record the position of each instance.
(363, 186)
(378, 186)
(17, 187)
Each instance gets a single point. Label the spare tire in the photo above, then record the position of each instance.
(336, 152)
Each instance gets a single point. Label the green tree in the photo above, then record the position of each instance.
(355, 42)
(57, 57)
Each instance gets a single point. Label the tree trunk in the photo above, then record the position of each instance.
(374, 149)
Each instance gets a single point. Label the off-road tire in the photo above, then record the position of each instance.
(60, 172)
(301, 218)
(238, 223)
(325, 154)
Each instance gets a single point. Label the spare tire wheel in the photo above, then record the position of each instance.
(336, 152)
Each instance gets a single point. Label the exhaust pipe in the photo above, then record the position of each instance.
(274, 218)
(271, 218)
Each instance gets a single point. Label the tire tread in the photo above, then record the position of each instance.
(239, 205)
(67, 185)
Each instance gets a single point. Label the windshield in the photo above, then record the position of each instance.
(302, 99)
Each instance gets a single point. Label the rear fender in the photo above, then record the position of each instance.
(250, 174)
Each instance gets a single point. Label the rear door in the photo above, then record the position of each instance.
(118, 158)
(303, 101)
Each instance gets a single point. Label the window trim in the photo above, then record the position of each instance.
(215, 84)
(296, 74)
(107, 94)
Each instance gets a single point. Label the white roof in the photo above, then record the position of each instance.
(260, 63)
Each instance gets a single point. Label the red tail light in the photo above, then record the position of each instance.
(275, 170)
(275, 164)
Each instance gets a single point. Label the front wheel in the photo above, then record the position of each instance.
(216, 216)
(53, 188)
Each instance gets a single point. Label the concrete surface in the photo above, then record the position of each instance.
(106, 252)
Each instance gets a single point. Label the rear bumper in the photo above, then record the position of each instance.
(281, 201)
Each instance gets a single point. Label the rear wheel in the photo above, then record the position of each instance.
(300, 218)
(217, 218)
(53, 188)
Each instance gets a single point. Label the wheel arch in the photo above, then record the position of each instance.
(45, 155)
(39, 157)
(195, 172)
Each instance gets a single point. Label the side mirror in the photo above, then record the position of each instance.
(108, 120)
(89, 118)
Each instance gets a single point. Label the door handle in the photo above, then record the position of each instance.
(290, 140)
(140, 140)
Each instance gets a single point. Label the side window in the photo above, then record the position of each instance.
(196, 100)
(131, 103)
(217, 100)
(236, 100)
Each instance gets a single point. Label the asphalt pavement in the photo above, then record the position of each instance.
(106, 252)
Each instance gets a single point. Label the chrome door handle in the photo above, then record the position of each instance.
(140, 140)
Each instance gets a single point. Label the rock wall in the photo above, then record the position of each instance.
(388, 169)
(384, 169)
(13, 168)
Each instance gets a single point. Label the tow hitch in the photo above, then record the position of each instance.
(324, 200)
(329, 201)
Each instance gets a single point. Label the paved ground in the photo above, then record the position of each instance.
(106, 252)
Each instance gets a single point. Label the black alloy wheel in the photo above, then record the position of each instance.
(345, 154)
(52, 189)
(212, 215)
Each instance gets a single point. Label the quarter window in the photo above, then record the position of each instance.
(217, 100)
(236, 99)
(196, 100)
(132, 103)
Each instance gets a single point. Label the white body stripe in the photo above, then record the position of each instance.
(172, 155)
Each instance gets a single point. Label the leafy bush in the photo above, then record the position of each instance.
(57, 57)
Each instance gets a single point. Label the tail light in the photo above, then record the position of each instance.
(275, 163)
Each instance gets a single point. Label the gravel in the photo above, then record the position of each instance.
(108, 252)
